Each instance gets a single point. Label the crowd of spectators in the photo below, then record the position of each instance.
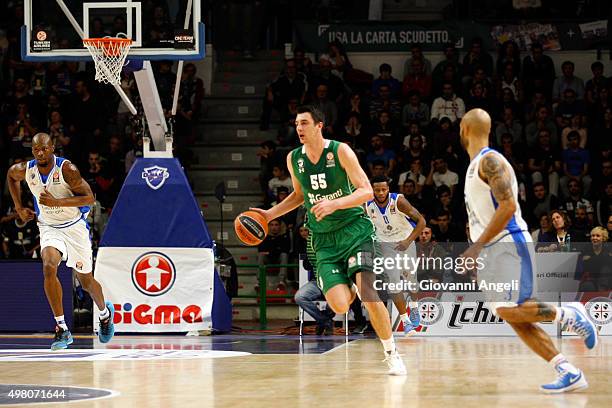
(88, 123)
(553, 127)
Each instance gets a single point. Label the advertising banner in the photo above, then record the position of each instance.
(158, 289)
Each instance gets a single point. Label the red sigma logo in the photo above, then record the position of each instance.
(162, 314)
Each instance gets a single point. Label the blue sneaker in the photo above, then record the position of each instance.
(409, 328)
(415, 317)
(566, 382)
(107, 328)
(582, 326)
(63, 338)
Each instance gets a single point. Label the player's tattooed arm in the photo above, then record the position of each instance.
(494, 171)
(546, 311)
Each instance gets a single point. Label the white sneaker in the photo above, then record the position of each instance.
(395, 363)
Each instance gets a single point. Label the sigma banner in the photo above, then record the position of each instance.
(156, 261)
(158, 289)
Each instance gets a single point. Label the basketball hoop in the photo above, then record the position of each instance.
(109, 55)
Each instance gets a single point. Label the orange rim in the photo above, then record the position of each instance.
(111, 45)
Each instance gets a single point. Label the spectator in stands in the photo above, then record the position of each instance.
(446, 231)
(581, 225)
(357, 106)
(542, 122)
(20, 240)
(379, 169)
(576, 200)
(603, 206)
(545, 229)
(544, 163)
(19, 94)
(510, 126)
(385, 102)
(267, 159)
(417, 55)
(338, 59)
(450, 58)
(603, 124)
(440, 174)
(514, 154)
(568, 107)
(475, 57)
(58, 133)
(280, 179)
(415, 174)
(324, 75)
(417, 80)
(509, 79)
(415, 111)
(594, 85)
(530, 109)
(287, 135)
(21, 130)
(560, 239)
(87, 119)
(305, 298)
(416, 151)
(480, 75)
(478, 97)
(189, 104)
(385, 78)
(609, 227)
(507, 101)
(302, 62)
(386, 129)
(567, 81)
(509, 53)
(427, 248)
(115, 159)
(327, 106)
(538, 72)
(355, 132)
(414, 131)
(165, 79)
(448, 75)
(290, 84)
(408, 189)
(597, 263)
(38, 81)
(575, 125)
(575, 165)
(289, 219)
(275, 248)
(446, 140)
(448, 105)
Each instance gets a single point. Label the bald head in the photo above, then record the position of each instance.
(477, 123)
(42, 139)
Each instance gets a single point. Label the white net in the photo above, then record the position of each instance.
(109, 55)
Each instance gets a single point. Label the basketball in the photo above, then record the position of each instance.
(251, 227)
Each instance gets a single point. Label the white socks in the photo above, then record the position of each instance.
(413, 305)
(104, 313)
(388, 345)
(61, 322)
(560, 363)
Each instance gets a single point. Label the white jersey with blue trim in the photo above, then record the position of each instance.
(391, 224)
(54, 183)
(481, 204)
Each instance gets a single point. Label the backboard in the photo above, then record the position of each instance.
(53, 29)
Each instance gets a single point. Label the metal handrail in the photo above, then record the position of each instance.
(262, 296)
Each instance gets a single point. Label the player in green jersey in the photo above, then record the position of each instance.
(329, 181)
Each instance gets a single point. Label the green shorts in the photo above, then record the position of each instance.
(342, 253)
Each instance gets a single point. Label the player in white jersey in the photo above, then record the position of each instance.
(61, 200)
(494, 215)
(397, 225)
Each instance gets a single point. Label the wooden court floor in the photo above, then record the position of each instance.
(313, 372)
